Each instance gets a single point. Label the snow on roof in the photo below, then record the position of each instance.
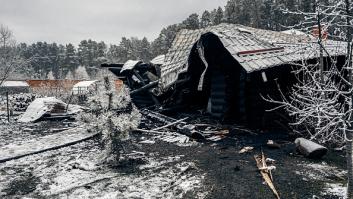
(83, 87)
(294, 32)
(159, 60)
(39, 107)
(84, 84)
(254, 49)
(129, 65)
(14, 84)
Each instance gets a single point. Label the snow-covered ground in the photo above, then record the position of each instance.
(330, 175)
(75, 172)
(167, 165)
(72, 173)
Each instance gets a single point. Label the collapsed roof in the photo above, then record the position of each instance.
(254, 49)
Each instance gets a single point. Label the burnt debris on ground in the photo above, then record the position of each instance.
(205, 130)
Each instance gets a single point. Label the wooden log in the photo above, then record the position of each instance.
(309, 148)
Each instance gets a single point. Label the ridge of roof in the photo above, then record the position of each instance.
(254, 49)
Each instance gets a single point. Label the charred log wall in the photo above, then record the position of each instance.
(257, 108)
(238, 96)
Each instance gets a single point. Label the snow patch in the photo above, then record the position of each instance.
(323, 171)
(333, 189)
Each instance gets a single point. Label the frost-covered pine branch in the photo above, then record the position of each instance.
(113, 115)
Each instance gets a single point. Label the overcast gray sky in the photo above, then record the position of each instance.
(65, 21)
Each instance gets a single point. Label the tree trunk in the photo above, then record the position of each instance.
(349, 142)
(319, 26)
(349, 148)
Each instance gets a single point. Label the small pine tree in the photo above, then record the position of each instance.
(104, 117)
(81, 73)
(50, 76)
(69, 75)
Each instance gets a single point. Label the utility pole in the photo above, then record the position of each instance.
(318, 11)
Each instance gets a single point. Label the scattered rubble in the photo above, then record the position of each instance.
(246, 149)
(49, 107)
(273, 145)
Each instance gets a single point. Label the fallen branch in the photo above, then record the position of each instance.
(150, 131)
(266, 173)
(170, 124)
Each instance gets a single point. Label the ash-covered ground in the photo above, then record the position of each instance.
(166, 166)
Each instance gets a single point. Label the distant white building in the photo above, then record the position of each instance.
(14, 87)
(84, 87)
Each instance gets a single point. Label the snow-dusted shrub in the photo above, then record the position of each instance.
(49, 90)
(319, 107)
(113, 115)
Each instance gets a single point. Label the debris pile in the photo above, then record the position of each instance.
(49, 108)
(141, 78)
(159, 124)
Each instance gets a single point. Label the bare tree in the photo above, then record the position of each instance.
(322, 100)
(9, 57)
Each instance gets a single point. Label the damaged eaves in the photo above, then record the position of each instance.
(269, 49)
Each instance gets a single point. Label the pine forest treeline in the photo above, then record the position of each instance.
(62, 60)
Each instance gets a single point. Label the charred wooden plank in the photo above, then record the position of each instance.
(266, 173)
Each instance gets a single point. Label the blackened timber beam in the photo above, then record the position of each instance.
(144, 88)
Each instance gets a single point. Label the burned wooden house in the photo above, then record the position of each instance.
(227, 69)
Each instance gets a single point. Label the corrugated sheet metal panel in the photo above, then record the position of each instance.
(238, 38)
(159, 60)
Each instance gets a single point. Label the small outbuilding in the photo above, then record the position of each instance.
(14, 87)
(84, 87)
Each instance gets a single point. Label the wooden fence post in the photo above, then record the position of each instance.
(7, 106)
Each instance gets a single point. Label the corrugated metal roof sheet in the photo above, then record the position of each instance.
(159, 60)
(130, 64)
(239, 38)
